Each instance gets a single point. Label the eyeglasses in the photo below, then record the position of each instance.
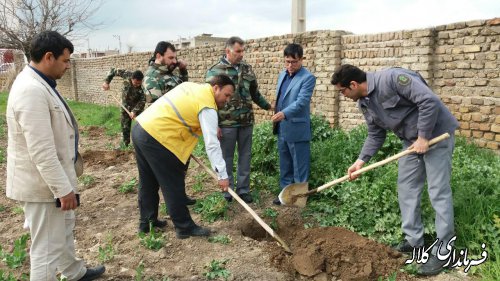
(342, 90)
(292, 62)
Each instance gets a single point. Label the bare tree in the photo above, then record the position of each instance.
(21, 20)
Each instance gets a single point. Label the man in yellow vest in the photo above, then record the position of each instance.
(164, 137)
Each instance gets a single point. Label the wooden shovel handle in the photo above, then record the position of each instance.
(377, 164)
(245, 205)
(121, 105)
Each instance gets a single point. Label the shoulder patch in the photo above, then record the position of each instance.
(403, 79)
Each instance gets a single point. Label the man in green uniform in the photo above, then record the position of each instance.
(133, 98)
(236, 119)
(160, 77)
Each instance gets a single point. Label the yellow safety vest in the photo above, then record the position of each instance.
(173, 119)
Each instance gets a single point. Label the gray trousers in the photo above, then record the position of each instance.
(243, 137)
(435, 166)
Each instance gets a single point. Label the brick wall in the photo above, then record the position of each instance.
(459, 61)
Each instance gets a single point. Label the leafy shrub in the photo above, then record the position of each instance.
(18, 255)
(264, 150)
(212, 207)
(217, 269)
(152, 240)
(222, 239)
(128, 187)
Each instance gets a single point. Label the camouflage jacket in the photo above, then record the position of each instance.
(158, 80)
(238, 112)
(133, 98)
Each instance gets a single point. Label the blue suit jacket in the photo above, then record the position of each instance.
(296, 106)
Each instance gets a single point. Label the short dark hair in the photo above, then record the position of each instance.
(49, 41)
(138, 75)
(221, 80)
(346, 73)
(161, 48)
(233, 40)
(293, 50)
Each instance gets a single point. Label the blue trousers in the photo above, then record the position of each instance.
(295, 161)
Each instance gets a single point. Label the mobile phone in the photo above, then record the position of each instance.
(58, 202)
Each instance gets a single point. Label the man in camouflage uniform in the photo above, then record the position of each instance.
(133, 98)
(160, 77)
(236, 119)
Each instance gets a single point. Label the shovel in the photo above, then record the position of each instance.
(252, 212)
(296, 194)
(121, 105)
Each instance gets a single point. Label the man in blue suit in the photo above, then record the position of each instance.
(292, 120)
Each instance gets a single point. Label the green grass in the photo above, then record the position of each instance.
(87, 114)
(97, 115)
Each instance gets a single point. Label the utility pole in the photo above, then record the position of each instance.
(298, 16)
(119, 43)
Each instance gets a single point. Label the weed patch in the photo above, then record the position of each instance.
(221, 239)
(152, 240)
(18, 255)
(217, 269)
(212, 207)
(128, 187)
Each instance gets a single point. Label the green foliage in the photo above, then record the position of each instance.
(139, 271)
(2, 208)
(18, 210)
(272, 214)
(97, 115)
(7, 276)
(264, 150)
(217, 269)
(3, 127)
(392, 277)
(152, 240)
(199, 179)
(222, 239)
(18, 255)
(163, 209)
(107, 252)
(128, 187)
(86, 180)
(212, 207)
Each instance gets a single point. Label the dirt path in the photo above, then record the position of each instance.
(319, 253)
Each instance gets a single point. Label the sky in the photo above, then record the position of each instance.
(139, 25)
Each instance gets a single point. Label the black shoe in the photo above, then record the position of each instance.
(403, 247)
(93, 273)
(433, 266)
(246, 197)
(277, 201)
(195, 231)
(190, 201)
(156, 223)
(229, 199)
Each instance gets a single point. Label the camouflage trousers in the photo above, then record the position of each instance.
(126, 123)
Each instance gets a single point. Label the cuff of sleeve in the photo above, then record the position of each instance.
(183, 72)
(425, 134)
(364, 158)
(222, 175)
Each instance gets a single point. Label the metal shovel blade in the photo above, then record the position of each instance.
(294, 195)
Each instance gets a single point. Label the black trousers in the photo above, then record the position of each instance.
(159, 167)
